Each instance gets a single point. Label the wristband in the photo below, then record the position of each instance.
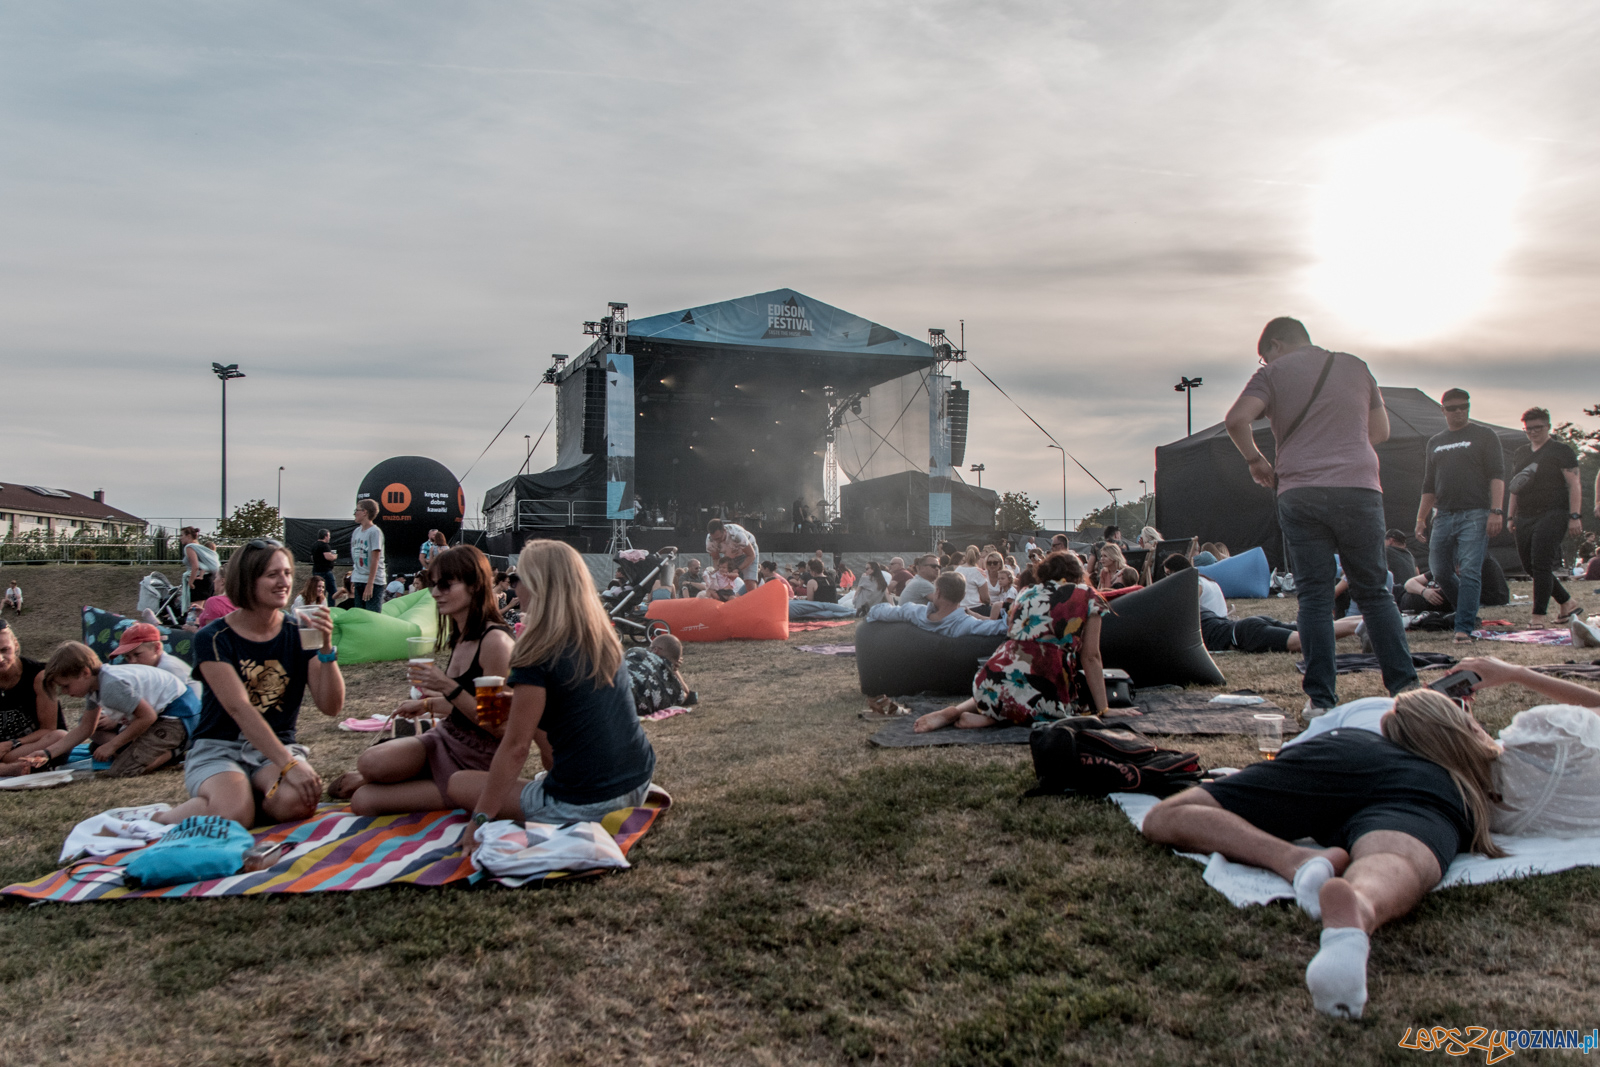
(1576, 516)
(450, 697)
(480, 818)
(330, 656)
(1496, 511)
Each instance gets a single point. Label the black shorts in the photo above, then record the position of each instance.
(1337, 786)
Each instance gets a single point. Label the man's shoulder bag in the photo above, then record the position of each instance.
(1084, 755)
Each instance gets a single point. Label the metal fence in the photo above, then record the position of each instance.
(154, 552)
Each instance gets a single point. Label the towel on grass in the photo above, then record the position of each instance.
(664, 713)
(817, 624)
(1528, 637)
(336, 850)
(1244, 885)
(1357, 662)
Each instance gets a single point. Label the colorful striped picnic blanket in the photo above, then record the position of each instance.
(1549, 636)
(336, 851)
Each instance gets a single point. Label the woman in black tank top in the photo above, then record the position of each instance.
(29, 717)
(412, 773)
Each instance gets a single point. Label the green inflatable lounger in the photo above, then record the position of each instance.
(380, 637)
(1153, 634)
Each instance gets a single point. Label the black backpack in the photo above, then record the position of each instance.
(1083, 755)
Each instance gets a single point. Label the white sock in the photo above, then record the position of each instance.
(1309, 879)
(1337, 976)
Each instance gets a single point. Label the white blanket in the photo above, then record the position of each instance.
(507, 850)
(1245, 885)
(101, 835)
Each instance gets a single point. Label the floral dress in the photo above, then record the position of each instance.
(1033, 675)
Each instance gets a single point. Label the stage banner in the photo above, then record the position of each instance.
(939, 510)
(619, 435)
(781, 318)
(938, 451)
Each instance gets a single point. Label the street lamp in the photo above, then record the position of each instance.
(1116, 519)
(226, 374)
(280, 499)
(527, 443)
(1144, 492)
(978, 468)
(1187, 386)
(1063, 452)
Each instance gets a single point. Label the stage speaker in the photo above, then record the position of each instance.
(594, 409)
(958, 402)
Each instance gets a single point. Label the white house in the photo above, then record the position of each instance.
(58, 512)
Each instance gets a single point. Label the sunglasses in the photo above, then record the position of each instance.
(263, 542)
(444, 585)
(1457, 407)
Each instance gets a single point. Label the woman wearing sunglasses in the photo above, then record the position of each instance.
(1545, 496)
(412, 773)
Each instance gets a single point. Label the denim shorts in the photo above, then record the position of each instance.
(209, 756)
(536, 807)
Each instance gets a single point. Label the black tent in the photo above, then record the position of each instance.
(1204, 489)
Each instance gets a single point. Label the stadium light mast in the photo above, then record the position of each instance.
(1187, 386)
(225, 374)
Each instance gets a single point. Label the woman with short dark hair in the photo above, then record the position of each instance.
(1544, 498)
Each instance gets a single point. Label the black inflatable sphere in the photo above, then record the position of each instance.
(415, 494)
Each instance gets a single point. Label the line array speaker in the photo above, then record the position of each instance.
(594, 409)
(959, 402)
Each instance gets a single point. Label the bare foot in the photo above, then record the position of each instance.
(971, 720)
(936, 720)
(344, 787)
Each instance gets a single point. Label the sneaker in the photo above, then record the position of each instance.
(1584, 635)
(1311, 711)
(131, 814)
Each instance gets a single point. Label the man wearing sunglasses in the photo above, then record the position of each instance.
(1463, 491)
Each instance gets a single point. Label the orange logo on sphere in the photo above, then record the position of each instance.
(396, 497)
(461, 500)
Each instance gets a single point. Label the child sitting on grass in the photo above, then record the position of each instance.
(654, 673)
(138, 716)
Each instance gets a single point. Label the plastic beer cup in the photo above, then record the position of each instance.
(1269, 735)
(310, 636)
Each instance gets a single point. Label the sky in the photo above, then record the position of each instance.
(391, 214)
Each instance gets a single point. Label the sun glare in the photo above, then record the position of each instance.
(1411, 227)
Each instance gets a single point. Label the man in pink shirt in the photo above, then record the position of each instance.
(1327, 415)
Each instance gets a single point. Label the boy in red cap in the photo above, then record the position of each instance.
(141, 643)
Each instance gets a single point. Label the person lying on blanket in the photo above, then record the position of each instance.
(1253, 633)
(1054, 630)
(1392, 790)
(412, 773)
(655, 676)
(568, 679)
(243, 761)
(138, 717)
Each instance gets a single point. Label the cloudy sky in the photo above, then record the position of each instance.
(390, 214)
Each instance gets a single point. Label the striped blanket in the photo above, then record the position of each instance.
(335, 851)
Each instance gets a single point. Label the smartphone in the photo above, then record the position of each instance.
(264, 855)
(1457, 685)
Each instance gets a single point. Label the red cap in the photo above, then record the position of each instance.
(138, 634)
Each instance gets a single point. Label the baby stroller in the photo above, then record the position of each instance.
(627, 603)
(163, 599)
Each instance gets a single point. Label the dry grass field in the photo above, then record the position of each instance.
(808, 899)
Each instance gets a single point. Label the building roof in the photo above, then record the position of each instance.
(62, 503)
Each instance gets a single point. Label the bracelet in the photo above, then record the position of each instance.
(480, 818)
(450, 697)
(281, 774)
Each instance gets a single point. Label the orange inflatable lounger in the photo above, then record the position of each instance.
(762, 615)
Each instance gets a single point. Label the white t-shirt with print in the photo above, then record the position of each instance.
(363, 543)
(737, 536)
(123, 685)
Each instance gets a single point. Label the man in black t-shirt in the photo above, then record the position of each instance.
(1545, 500)
(1463, 488)
(323, 555)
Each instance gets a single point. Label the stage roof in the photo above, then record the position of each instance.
(782, 319)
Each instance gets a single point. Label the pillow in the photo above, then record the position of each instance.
(900, 658)
(1246, 575)
(102, 631)
(1154, 634)
(762, 615)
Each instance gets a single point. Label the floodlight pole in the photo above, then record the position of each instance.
(225, 374)
(978, 469)
(1187, 386)
(280, 499)
(1063, 452)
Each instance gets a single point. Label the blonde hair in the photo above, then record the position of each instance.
(1111, 552)
(70, 659)
(563, 612)
(969, 558)
(1149, 536)
(1429, 724)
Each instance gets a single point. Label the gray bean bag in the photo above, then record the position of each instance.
(898, 658)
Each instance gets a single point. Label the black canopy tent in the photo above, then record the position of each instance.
(898, 503)
(1204, 488)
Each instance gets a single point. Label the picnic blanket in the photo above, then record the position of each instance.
(801, 626)
(1172, 712)
(827, 650)
(336, 851)
(1588, 672)
(1357, 662)
(1528, 637)
(1244, 885)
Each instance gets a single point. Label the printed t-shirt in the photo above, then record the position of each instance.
(1461, 464)
(1330, 448)
(274, 674)
(1547, 489)
(363, 543)
(123, 685)
(737, 536)
(600, 749)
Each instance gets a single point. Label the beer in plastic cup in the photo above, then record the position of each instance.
(494, 699)
(310, 636)
(1269, 735)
